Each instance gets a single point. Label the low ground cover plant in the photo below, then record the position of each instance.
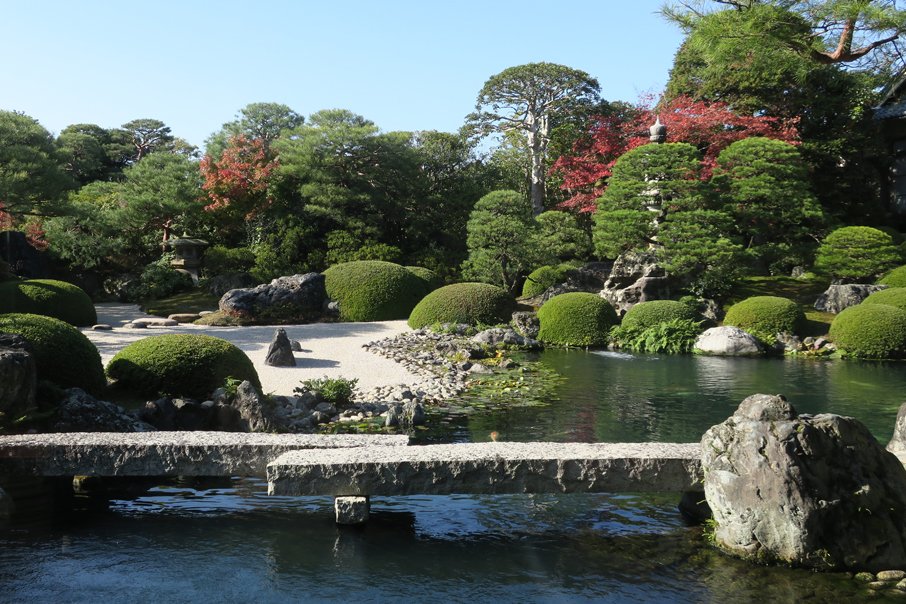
(333, 390)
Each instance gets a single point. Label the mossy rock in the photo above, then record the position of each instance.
(895, 278)
(63, 355)
(50, 298)
(188, 365)
(765, 316)
(471, 303)
(654, 312)
(432, 280)
(373, 290)
(576, 319)
(542, 278)
(870, 331)
(895, 296)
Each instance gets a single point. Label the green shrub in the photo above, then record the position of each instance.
(765, 316)
(222, 260)
(870, 331)
(895, 296)
(373, 290)
(432, 280)
(333, 390)
(180, 365)
(158, 280)
(675, 336)
(544, 277)
(895, 278)
(50, 298)
(470, 303)
(648, 314)
(63, 355)
(857, 252)
(576, 319)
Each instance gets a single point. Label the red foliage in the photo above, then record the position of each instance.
(709, 126)
(239, 179)
(34, 233)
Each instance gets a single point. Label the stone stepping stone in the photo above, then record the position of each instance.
(155, 322)
(184, 317)
(101, 327)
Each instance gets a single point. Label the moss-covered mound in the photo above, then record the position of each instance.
(472, 303)
(895, 296)
(542, 278)
(373, 290)
(870, 331)
(654, 312)
(576, 319)
(63, 355)
(765, 316)
(50, 298)
(895, 278)
(180, 365)
(432, 280)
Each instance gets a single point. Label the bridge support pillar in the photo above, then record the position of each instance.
(352, 510)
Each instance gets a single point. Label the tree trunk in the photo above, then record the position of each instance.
(538, 134)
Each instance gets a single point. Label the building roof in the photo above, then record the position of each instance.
(893, 102)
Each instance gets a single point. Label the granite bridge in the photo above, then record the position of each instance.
(352, 468)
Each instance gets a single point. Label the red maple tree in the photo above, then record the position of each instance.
(239, 180)
(711, 127)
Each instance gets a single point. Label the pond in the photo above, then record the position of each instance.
(227, 541)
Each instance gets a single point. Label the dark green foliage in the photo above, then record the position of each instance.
(870, 331)
(561, 237)
(333, 390)
(432, 280)
(895, 296)
(373, 290)
(470, 303)
(180, 365)
(63, 355)
(576, 319)
(159, 280)
(676, 336)
(857, 253)
(346, 247)
(223, 260)
(895, 278)
(542, 278)
(648, 314)
(765, 316)
(48, 297)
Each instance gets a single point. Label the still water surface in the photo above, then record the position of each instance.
(227, 541)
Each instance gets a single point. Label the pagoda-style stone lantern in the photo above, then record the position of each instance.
(187, 253)
(657, 135)
(657, 132)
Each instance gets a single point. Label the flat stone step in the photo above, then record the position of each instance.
(164, 453)
(534, 467)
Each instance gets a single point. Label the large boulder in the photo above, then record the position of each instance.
(728, 341)
(839, 297)
(294, 299)
(256, 413)
(813, 491)
(636, 277)
(81, 412)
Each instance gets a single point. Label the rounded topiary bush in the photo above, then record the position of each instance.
(432, 280)
(765, 316)
(373, 290)
(895, 296)
(870, 331)
(180, 365)
(50, 298)
(857, 253)
(576, 319)
(540, 279)
(654, 312)
(63, 355)
(895, 278)
(471, 303)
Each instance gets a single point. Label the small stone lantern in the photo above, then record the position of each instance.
(657, 132)
(187, 253)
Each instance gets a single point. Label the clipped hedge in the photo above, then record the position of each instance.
(895, 278)
(63, 355)
(188, 365)
(50, 298)
(649, 314)
(540, 279)
(576, 319)
(765, 316)
(432, 280)
(857, 252)
(471, 303)
(895, 296)
(870, 331)
(373, 290)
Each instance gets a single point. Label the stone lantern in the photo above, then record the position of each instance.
(187, 252)
(657, 132)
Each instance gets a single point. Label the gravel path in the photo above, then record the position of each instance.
(331, 349)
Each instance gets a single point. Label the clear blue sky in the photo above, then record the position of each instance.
(404, 65)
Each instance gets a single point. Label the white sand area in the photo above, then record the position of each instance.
(331, 349)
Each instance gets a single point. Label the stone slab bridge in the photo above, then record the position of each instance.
(352, 468)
